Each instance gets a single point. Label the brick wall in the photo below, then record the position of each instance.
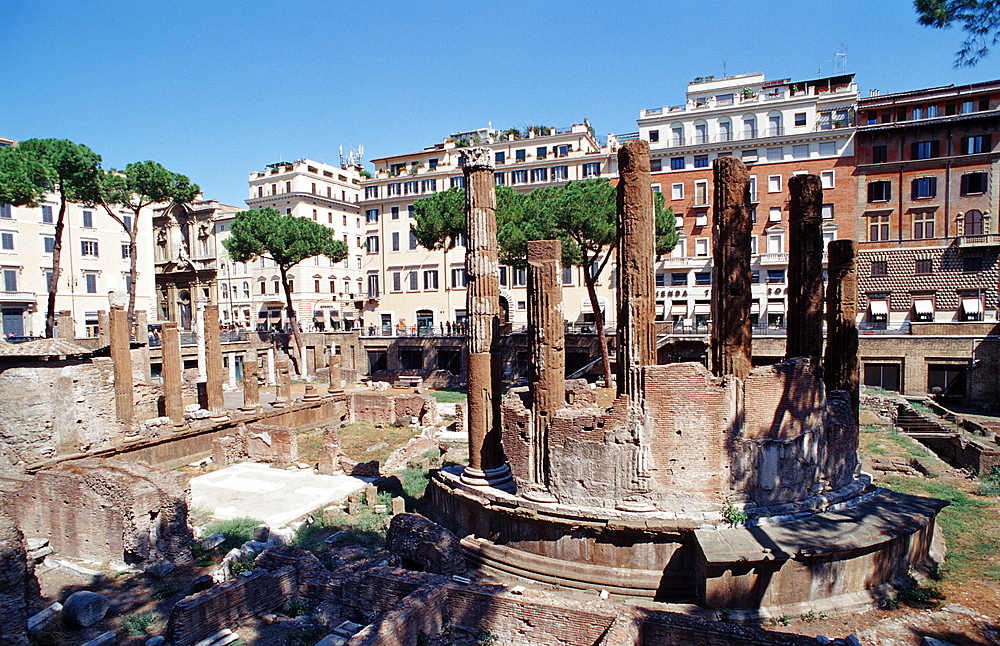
(196, 617)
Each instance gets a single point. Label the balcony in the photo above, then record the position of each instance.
(685, 263)
(17, 297)
(987, 240)
(769, 259)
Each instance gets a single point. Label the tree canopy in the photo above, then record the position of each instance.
(980, 19)
(285, 239)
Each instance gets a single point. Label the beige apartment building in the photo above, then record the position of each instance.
(779, 129)
(413, 290)
(326, 295)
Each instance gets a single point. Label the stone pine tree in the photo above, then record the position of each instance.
(980, 19)
(583, 216)
(140, 185)
(287, 240)
(37, 167)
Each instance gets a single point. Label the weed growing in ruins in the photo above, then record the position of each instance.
(164, 589)
(733, 515)
(812, 616)
(783, 620)
(449, 396)
(241, 565)
(990, 485)
(134, 625)
(414, 483)
(52, 635)
(237, 531)
(299, 607)
(201, 557)
(486, 639)
(307, 635)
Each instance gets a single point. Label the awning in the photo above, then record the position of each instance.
(678, 310)
(775, 306)
(702, 308)
(660, 308)
(923, 305)
(879, 306)
(585, 305)
(972, 305)
(755, 307)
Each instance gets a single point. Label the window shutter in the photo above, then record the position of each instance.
(932, 186)
(913, 150)
(964, 189)
(914, 189)
(935, 148)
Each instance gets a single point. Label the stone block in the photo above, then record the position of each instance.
(417, 539)
(398, 506)
(104, 639)
(85, 608)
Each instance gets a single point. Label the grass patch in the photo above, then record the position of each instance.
(134, 625)
(237, 531)
(364, 442)
(970, 527)
(449, 396)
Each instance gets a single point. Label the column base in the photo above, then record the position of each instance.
(499, 478)
(538, 495)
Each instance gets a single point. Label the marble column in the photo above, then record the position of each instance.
(636, 273)
(172, 373)
(804, 331)
(731, 229)
(121, 360)
(486, 461)
(547, 342)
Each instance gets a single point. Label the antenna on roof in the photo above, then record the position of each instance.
(341, 156)
(841, 56)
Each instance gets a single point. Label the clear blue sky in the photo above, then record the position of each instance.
(217, 89)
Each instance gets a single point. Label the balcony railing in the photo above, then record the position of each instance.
(773, 259)
(18, 297)
(987, 240)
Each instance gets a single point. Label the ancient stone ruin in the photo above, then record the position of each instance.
(733, 487)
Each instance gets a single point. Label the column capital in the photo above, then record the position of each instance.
(476, 158)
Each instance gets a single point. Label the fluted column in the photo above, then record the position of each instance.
(173, 373)
(213, 361)
(121, 359)
(546, 338)
(804, 331)
(731, 228)
(636, 273)
(486, 463)
(840, 365)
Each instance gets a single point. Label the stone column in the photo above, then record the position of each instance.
(271, 372)
(336, 373)
(636, 274)
(103, 328)
(840, 365)
(731, 227)
(804, 332)
(213, 360)
(486, 463)
(172, 372)
(198, 312)
(251, 387)
(283, 387)
(121, 359)
(64, 321)
(142, 336)
(546, 338)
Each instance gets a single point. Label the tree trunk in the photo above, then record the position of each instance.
(50, 310)
(298, 355)
(602, 341)
(133, 275)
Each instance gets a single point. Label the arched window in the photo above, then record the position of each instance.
(725, 129)
(973, 223)
(677, 134)
(225, 291)
(700, 132)
(749, 127)
(246, 289)
(774, 124)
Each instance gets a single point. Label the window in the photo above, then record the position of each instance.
(432, 163)
(677, 163)
(519, 177)
(703, 278)
(924, 149)
(827, 211)
(677, 135)
(972, 264)
(878, 227)
(775, 243)
(973, 222)
(7, 241)
(800, 151)
(775, 276)
(371, 244)
(972, 308)
(591, 169)
(413, 240)
(10, 280)
(500, 158)
(458, 277)
(126, 251)
(678, 280)
(932, 111)
(567, 275)
(880, 154)
(968, 106)
(661, 279)
(826, 178)
(88, 248)
(775, 154)
(748, 156)
(700, 161)
(655, 165)
(49, 245)
(774, 128)
(46, 214)
(752, 188)
(655, 188)
(800, 119)
(498, 179)
(394, 189)
(923, 188)
(677, 191)
(520, 275)
(974, 145)
(414, 279)
(90, 282)
(539, 174)
(880, 268)
(395, 240)
(879, 191)
(502, 271)
(428, 185)
(88, 219)
(431, 279)
(974, 183)
(541, 152)
(725, 131)
(411, 187)
(749, 128)
(520, 155)
(923, 225)
(561, 172)
(774, 184)
(458, 182)
(654, 136)
(923, 267)
(701, 193)
(371, 216)
(372, 285)
(394, 212)
(701, 247)
(371, 192)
